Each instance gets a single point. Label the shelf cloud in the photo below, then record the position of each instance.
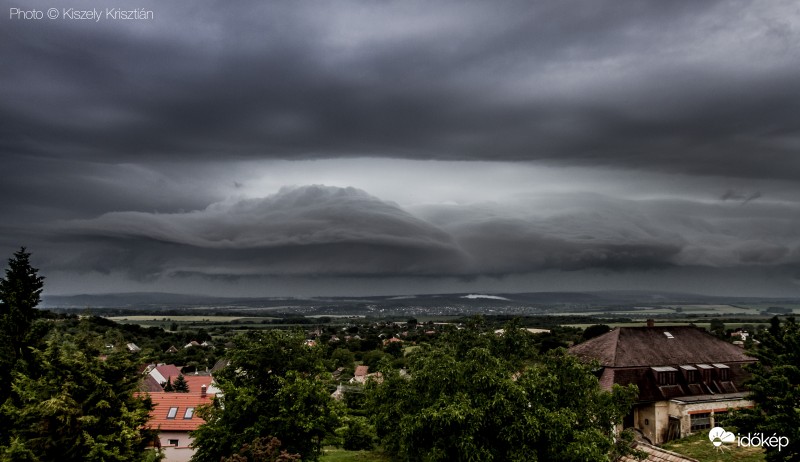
(459, 140)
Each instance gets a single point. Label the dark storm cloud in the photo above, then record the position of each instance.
(317, 230)
(697, 87)
(306, 231)
(676, 120)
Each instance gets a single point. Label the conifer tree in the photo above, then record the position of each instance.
(70, 405)
(775, 391)
(20, 292)
(168, 386)
(180, 385)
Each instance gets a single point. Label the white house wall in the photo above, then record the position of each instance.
(180, 453)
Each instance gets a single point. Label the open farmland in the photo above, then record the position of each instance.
(676, 311)
(202, 321)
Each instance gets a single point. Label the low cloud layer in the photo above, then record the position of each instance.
(343, 232)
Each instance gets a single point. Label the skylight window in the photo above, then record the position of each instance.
(668, 334)
(189, 413)
(173, 411)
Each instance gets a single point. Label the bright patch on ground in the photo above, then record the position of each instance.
(490, 297)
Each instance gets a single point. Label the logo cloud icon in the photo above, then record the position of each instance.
(718, 435)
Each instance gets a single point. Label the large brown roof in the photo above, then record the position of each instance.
(650, 346)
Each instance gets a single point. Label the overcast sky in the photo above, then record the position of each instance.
(303, 148)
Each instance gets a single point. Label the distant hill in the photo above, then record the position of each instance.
(153, 300)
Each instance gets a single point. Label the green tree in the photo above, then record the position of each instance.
(342, 357)
(717, 328)
(358, 434)
(20, 292)
(775, 390)
(271, 388)
(70, 405)
(168, 385)
(595, 331)
(465, 402)
(180, 385)
(262, 450)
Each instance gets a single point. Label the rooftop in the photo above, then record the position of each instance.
(648, 346)
(176, 411)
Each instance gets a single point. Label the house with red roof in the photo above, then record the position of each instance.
(164, 372)
(360, 375)
(174, 415)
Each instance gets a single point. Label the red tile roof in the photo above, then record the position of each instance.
(195, 382)
(149, 383)
(169, 371)
(163, 402)
(361, 371)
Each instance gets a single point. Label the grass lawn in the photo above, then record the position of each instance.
(331, 454)
(699, 447)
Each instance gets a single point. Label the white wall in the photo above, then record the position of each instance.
(181, 453)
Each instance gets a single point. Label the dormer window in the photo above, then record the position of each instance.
(705, 372)
(723, 372)
(690, 373)
(665, 375)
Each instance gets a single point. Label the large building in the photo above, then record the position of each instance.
(687, 378)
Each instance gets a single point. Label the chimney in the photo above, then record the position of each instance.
(651, 323)
(203, 391)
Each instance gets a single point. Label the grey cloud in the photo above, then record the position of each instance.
(576, 231)
(663, 86)
(742, 197)
(318, 230)
(303, 230)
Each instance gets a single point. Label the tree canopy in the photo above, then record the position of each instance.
(180, 385)
(775, 390)
(20, 292)
(71, 405)
(269, 389)
(61, 399)
(480, 397)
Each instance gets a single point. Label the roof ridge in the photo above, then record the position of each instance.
(615, 332)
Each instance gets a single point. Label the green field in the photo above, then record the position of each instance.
(190, 320)
(331, 454)
(138, 318)
(659, 323)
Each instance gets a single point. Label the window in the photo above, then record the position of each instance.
(705, 372)
(665, 375)
(690, 373)
(723, 372)
(719, 417)
(173, 442)
(700, 421)
(189, 413)
(173, 411)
